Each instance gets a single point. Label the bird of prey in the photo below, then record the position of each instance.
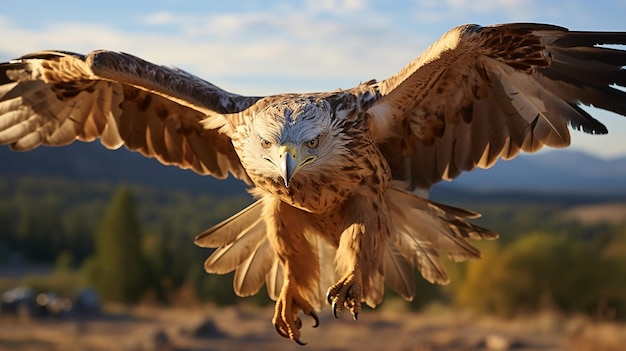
(337, 176)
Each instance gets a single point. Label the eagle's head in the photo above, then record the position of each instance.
(293, 138)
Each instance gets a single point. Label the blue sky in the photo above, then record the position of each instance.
(265, 47)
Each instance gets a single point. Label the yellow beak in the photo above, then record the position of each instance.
(288, 162)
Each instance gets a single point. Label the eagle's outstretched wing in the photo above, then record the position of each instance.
(483, 93)
(54, 98)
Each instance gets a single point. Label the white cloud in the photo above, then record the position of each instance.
(336, 6)
(286, 43)
(490, 6)
(67, 36)
(433, 11)
(160, 18)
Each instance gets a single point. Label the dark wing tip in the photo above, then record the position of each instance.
(48, 54)
(529, 25)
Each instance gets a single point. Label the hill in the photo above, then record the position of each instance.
(551, 171)
(87, 162)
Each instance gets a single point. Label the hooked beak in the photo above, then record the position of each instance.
(290, 162)
(288, 165)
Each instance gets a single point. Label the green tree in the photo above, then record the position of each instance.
(484, 281)
(119, 270)
(542, 270)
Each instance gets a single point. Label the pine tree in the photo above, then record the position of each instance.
(120, 271)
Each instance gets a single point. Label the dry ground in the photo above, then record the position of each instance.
(249, 328)
(613, 213)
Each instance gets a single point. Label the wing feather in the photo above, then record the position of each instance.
(423, 230)
(398, 272)
(251, 274)
(243, 246)
(483, 93)
(228, 257)
(325, 254)
(227, 231)
(54, 98)
(274, 279)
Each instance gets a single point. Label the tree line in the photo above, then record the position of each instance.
(43, 220)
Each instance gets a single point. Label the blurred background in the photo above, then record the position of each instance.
(91, 238)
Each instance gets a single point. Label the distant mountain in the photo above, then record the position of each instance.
(92, 162)
(553, 171)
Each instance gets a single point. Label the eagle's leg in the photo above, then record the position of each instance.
(359, 254)
(286, 319)
(285, 229)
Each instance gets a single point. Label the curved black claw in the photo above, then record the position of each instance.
(316, 318)
(328, 297)
(356, 316)
(335, 309)
(300, 342)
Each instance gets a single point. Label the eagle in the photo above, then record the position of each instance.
(340, 178)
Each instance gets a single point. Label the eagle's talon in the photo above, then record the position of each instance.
(335, 309)
(316, 318)
(346, 294)
(286, 319)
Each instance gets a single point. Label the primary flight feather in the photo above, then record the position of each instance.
(335, 174)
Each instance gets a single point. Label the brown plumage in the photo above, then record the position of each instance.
(335, 174)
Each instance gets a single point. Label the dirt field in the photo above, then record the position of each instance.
(249, 328)
(613, 213)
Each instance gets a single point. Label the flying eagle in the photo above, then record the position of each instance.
(336, 175)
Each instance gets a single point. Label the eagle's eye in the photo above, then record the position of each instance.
(312, 144)
(265, 144)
